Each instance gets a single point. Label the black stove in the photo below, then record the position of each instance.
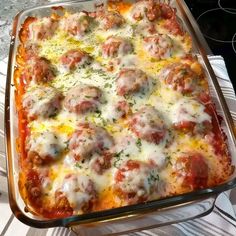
(217, 22)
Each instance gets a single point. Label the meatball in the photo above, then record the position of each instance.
(38, 69)
(77, 24)
(42, 101)
(173, 27)
(77, 190)
(43, 147)
(62, 206)
(171, 21)
(180, 77)
(158, 46)
(149, 10)
(135, 181)
(192, 170)
(33, 187)
(188, 115)
(148, 125)
(87, 140)
(110, 20)
(167, 12)
(101, 163)
(130, 81)
(115, 46)
(42, 29)
(122, 109)
(31, 50)
(82, 99)
(116, 110)
(74, 58)
(126, 146)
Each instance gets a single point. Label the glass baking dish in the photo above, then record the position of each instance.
(129, 218)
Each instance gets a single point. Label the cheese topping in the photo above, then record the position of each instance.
(46, 144)
(189, 110)
(101, 117)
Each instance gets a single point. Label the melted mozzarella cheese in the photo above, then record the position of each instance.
(41, 101)
(170, 104)
(136, 181)
(110, 111)
(161, 49)
(188, 110)
(75, 188)
(46, 144)
(42, 29)
(126, 31)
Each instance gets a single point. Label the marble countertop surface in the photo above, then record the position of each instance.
(8, 10)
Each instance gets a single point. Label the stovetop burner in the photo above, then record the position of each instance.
(212, 23)
(217, 20)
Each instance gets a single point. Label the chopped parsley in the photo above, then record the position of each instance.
(118, 157)
(66, 144)
(168, 160)
(153, 177)
(139, 144)
(78, 165)
(107, 85)
(98, 113)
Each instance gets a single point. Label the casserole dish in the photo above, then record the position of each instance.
(166, 207)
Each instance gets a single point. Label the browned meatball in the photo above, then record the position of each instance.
(147, 124)
(115, 46)
(130, 81)
(158, 46)
(135, 181)
(41, 29)
(146, 10)
(77, 24)
(42, 101)
(192, 170)
(190, 116)
(74, 58)
(180, 77)
(89, 139)
(83, 98)
(110, 20)
(78, 191)
(43, 147)
(38, 69)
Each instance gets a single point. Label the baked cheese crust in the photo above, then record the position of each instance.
(114, 109)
